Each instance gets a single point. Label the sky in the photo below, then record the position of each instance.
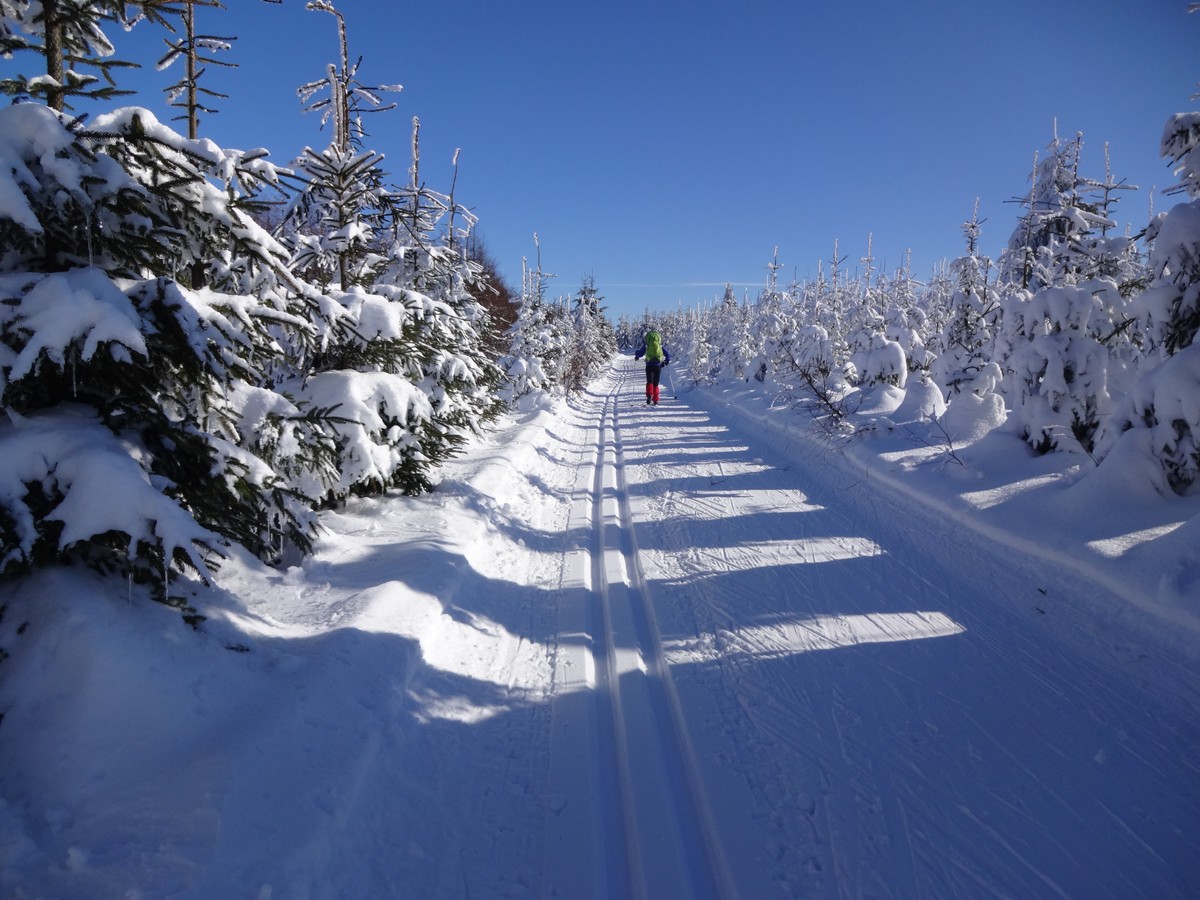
(666, 149)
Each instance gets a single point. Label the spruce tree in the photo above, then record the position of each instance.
(1063, 319)
(729, 335)
(101, 332)
(69, 35)
(401, 359)
(966, 341)
(1171, 306)
(1162, 412)
(531, 346)
(592, 343)
(197, 50)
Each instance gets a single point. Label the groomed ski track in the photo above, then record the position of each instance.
(772, 683)
(655, 835)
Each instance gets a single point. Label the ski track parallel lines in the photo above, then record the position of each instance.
(586, 846)
(633, 816)
(705, 858)
(609, 685)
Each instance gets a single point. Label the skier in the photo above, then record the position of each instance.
(656, 357)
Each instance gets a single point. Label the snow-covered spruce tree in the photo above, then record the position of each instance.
(876, 358)
(728, 336)
(542, 339)
(1112, 254)
(1061, 318)
(128, 395)
(906, 320)
(793, 347)
(459, 334)
(966, 341)
(688, 343)
(1170, 308)
(401, 360)
(561, 340)
(1053, 210)
(437, 283)
(770, 323)
(579, 365)
(338, 222)
(532, 340)
(1162, 412)
(833, 304)
(779, 325)
(934, 299)
(698, 347)
(1058, 381)
(810, 355)
(593, 343)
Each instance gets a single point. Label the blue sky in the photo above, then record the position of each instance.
(667, 148)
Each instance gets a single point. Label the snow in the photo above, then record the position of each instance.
(36, 128)
(702, 649)
(101, 482)
(377, 412)
(971, 416)
(81, 306)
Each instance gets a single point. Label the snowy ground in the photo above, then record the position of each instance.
(623, 651)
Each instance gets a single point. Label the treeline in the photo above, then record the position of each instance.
(556, 345)
(199, 347)
(1080, 337)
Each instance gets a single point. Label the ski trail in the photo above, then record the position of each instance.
(650, 828)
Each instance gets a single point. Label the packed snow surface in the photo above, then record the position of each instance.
(635, 651)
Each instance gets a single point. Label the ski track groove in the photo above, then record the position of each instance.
(653, 832)
(631, 863)
(702, 858)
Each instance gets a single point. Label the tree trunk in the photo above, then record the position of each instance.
(56, 97)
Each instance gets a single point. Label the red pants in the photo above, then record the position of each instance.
(653, 374)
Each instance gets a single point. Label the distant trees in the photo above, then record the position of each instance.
(491, 292)
(1082, 338)
(556, 344)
